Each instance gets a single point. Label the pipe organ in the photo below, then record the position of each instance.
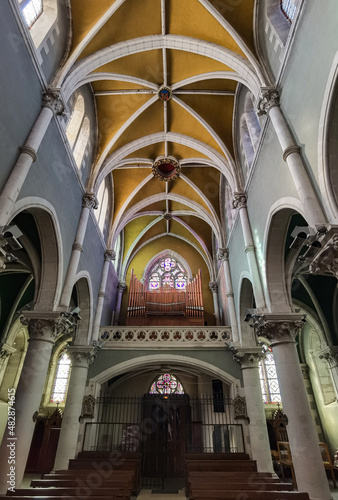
(166, 305)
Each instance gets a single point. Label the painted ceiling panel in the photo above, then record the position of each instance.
(133, 19)
(178, 229)
(190, 18)
(182, 122)
(149, 122)
(152, 151)
(213, 84)
(113, 111)
(133, 230)
(207, 180)
(180, 187)
(153, 232)
(217, 111)
(147, 65)
(124, 184)
(240, 15)
(106, 85)
(181, 152)
(201, 227)
(152, 188)
(182, 65)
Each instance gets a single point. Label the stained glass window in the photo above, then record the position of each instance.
(31, 11)
(289, 9)
(166, 384)
(167, 272)
(61, 379)
(268, 378)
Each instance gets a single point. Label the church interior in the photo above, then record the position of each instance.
(169, 249)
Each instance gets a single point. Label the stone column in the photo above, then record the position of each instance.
(281, 331)
(51, 106)
(121, 286)
(330, 354)
(249, 359)
(269, 104)
(109, 255)
(214, 289)
(223, 255)
(81, 358)
(88, 202)
(43, 329)
(240, 202)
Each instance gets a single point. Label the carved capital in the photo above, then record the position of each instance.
(213, 286)
(330, 355)
(239, 201)
(278, 328)
(290, 150)
(109, 255)
(121, 286)
(223, 254)
(89, 200)
(46, 327)
(29, 151)
(326, 261)
(82, 356)
(268, 99)
(249, 358)
(52, 99)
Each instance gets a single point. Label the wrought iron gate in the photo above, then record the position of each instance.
(163, 428)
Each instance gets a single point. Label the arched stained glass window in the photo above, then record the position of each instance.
(166, 384)
(167, 272)
(288, 8)
(268, 378)
(31, 10)
(61, 379)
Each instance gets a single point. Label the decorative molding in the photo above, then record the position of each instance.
(89, 200)
(29, 151)
(278, 328)
(52, 99)
(82, 356)
(213, 286)
(164, 93)
(289, 150)
(326, 261)
(239, 201)
(77, 246)
(121, 286)
(161, 337)
(268, 99)
(166, 168)
(109, 254)
(44, 326)
(248, 358)
(223, 254)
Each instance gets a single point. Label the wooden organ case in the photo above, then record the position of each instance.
(165, 306)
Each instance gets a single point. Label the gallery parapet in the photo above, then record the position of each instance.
(126, 337)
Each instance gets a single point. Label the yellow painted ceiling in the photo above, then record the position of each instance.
(186, 126)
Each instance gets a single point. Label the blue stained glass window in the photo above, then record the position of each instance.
(31, 10)
(61, 379)
(166, 384)
(167, 272)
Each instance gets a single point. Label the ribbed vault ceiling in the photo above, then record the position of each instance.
(200, 50)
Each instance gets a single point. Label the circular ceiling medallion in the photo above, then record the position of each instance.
(164, 93)
(166, 168)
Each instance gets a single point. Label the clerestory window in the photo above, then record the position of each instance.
(167, 272)
(288, 8)
(78, 131)
(268, 378)
(31, 10)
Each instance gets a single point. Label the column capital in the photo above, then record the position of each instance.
(213, 286)
(278, 328)
(223, 254)
(268, 99)
(248, 357)
(46, 326)
(89, 200)
(52, 99)
(239, 200)
(121, 286)
(109, 254)
(82, 356)
(326, 260)
(330, 354)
